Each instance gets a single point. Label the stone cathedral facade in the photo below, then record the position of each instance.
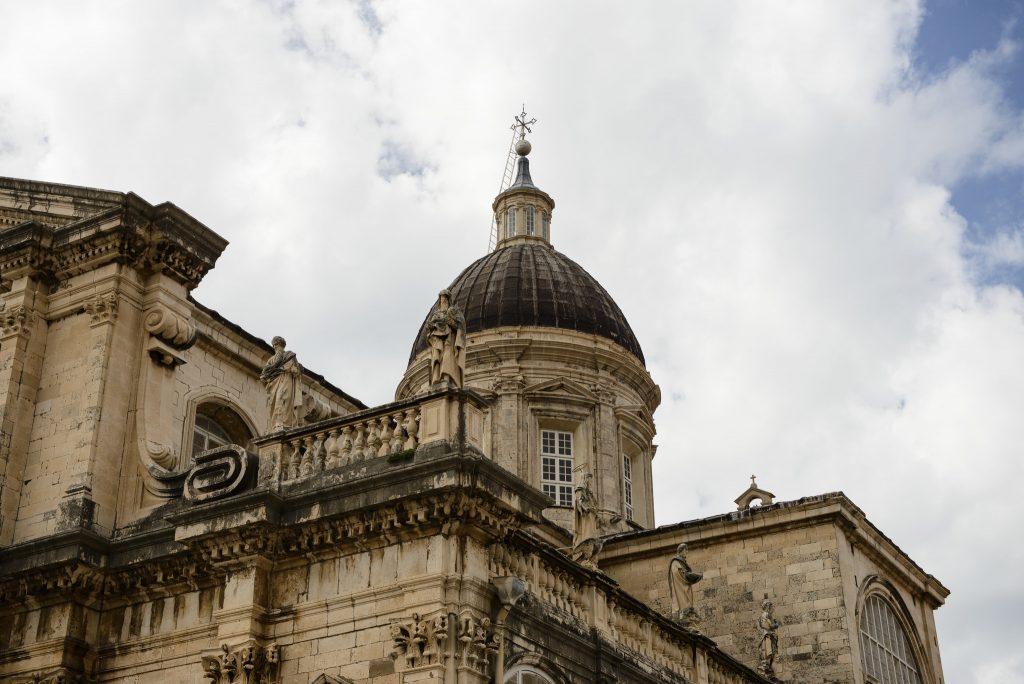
(182, 502)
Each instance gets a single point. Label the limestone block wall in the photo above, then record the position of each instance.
(810, 558)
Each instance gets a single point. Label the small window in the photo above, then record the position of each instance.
(527, 675)
(208, 435)
(545, 225)
(217, 425)
(529, 221)
(556, 466)
(627, 482)
(510, 222)
(885, 648)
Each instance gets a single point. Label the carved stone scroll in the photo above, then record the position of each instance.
(170, 327)
(217, 473)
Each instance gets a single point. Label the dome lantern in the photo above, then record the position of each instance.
(523, 211)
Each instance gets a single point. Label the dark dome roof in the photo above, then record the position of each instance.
(533, 285)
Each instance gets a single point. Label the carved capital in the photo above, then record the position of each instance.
(420, 641)
(478, 644)
(16, 320)
(246, 663)
(169, 327)
(102, 309)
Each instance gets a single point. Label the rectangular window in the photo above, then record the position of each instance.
(510, 222)
(529, 220)
(627, 482)
(545, 222)
(556, 466)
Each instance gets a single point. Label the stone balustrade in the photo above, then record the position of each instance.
(393, 431)
(596, 601)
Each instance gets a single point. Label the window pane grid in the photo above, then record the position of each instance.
(529, 220)
(510, 222)
(556, 466)
(886, 651)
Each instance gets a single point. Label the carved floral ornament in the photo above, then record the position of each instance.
(422, 641)
(101, 308)
(15, 320)
(246, 663)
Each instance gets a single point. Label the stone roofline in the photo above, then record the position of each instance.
(831, 507)
(259, 349)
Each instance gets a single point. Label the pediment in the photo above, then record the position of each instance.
(560, 388)
(332, 679)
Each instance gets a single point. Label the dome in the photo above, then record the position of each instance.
(533, 285)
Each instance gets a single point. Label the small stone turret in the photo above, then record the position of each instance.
(523, 211)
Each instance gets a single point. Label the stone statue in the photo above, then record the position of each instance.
(590, 523)
(681, 578)
(282, 376)
(768, 648)
(446, 337)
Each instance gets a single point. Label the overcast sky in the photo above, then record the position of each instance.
(810, 212)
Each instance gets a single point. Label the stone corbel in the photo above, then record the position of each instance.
(247, 663)
(171, 334)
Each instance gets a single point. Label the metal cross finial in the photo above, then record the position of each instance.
(522, 126)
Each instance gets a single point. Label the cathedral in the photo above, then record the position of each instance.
(181, 501)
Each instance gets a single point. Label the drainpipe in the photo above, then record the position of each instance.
(510, 590)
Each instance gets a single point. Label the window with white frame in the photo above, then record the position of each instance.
(627, 485)
(529, 220)
(556, 466)
(527, 675)
(208, 434)
(885, 648)
(510, 222)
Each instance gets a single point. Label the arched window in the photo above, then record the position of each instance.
(545, 223)
(526, 674)
(529, 221)
(217, 425)
(510, 222)
(885, 648)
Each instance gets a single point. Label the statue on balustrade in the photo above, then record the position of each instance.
(681, 578)
(282, 376)
(446, 336)
(590, 523)
(768, 648)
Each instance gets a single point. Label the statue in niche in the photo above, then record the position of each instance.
(590, 523)
(768, 647)
(446, 337)
(681, 578)
(282, 376)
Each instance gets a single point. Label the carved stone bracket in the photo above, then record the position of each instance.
(246, 663)
(170, 327)
(217, 473)
(420, 641)
(102, 309)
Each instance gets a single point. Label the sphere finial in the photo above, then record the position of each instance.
(523, 147)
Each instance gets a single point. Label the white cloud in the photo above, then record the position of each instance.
(764, 189)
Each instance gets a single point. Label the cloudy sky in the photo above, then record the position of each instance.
(811, 212)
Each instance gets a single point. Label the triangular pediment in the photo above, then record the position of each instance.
(561, 387)
(332, 679)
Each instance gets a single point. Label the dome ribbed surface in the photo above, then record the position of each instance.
(533, 285)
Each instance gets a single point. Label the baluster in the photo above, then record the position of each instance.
(332, 460)
(293, 465)
(345, 455)
(372, 439)
(397, 436)
(411, 426)
(359, 443)
(385, 435)
(306, 467)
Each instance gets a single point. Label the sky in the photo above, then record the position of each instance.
(810, 212)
